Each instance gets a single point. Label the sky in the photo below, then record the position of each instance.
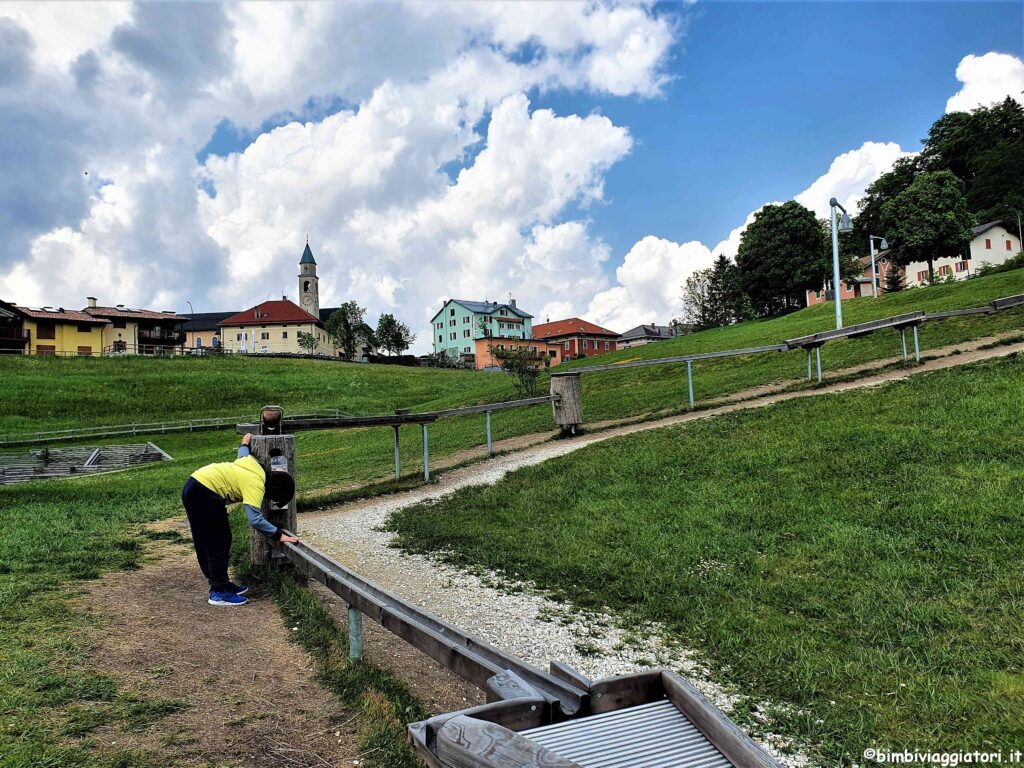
(583, 158)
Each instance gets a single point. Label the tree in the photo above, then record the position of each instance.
(928, 220)
(308, 342)
(885, 188)
(393, 335)
(781, 256)
(523, 364)
(346, 327)
(713, 297)
(894, 281)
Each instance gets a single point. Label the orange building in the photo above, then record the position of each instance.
(484, 358)
(576, 338)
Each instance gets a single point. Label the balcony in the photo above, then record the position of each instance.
(154, 336)
(13, 338)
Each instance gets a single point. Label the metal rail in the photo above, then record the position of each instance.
(471, 658)
(679, 359)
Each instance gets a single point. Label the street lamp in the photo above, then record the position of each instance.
(190, 306)
(884, 245)
(845, 225)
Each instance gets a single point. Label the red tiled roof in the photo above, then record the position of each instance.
(67, 315)
(269, 312)
(572, 326)
(138, 314)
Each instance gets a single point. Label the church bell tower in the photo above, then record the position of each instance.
(309, 289)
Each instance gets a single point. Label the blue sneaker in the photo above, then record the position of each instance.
(227, 598)
(238, 589)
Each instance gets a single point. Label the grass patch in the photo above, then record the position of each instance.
(869, 546)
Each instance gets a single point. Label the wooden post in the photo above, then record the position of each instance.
(567, 402)
(263, 447)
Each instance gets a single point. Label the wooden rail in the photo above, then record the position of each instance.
(470, 657)
(678, 359)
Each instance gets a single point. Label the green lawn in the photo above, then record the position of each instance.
(856, 558)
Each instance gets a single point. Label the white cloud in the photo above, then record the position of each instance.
(986, 80)
(63, 30)
(849, 175)
(650, 283)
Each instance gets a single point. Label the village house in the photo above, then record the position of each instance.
(273, 327)
(861, 286)
(577, 338)
(487, 352)
(647, 334)
(991, 244)
(202, 332)
(49, 331)
(138, 331)
(459, 324)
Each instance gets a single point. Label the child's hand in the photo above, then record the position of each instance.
(247, 439)
(289, 539)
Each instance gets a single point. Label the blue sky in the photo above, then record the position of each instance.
(765, 95)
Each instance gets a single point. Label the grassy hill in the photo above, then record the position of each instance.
(54, 533)
(853, 558)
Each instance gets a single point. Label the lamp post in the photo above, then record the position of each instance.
(874, 273)
(845, 225)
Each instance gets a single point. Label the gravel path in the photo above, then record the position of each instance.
(514, 617)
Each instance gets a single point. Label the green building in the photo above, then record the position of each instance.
(460, 323)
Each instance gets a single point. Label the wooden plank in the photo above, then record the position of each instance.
(262, 448)
(737, 747)
(667, 360)
(502, 406)
(567, 401)
(464, 742)
(344, 422)
(861, 329)
(570, 675)
(988, 310)
(625, 691)
(1008, 301)
(515, 714)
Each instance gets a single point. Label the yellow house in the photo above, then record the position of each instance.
(273, 326)
(62, 332)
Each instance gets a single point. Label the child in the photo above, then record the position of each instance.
(205, 497)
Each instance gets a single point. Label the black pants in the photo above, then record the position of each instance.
(211, 533)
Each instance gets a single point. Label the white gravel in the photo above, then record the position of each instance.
(511, 616)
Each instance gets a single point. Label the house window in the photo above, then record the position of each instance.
(440, 337)
(84, 328)
(238, 337)
(961, 266)
(264, 335)
(607, 345)
(465, 333)
(453, 336)
(85, 351)
(120, 323)
(46, 349)
(465, 319)
(567, 345)
(452, 311)
(988, 244)
(284, 334)
(943, 270)
(452, 323)
(465, 349)
(922, 276)
(1009, 245)
(46, 330)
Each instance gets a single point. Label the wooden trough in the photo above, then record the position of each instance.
(47, 463)
(648, 720)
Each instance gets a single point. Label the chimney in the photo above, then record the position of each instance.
(91, 300)
(284, 297)
(120, 306)
(512, 303)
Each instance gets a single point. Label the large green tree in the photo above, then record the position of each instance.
(928, 220)
(346, 327)
(781, 256)
(393, 336)
(886, 187)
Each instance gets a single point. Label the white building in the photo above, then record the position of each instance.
(992, 244)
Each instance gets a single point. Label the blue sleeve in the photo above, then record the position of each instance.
(261, 524)
(243, 451)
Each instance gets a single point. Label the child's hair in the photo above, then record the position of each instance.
(280, 487)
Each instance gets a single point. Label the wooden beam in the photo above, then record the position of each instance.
(464, 742)
(262, 448)
(613, 693)
(738, 748)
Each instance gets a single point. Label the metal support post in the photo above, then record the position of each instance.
(817, 354)
(490, 451)
(398, 468)
(426, 454)
(903, 340)
(355, 634)
(917, 347)
(808, 363)
(689, 380)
